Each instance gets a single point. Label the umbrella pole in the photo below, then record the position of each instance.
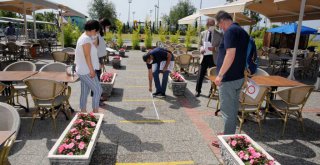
(34, 23)
(296, 44)
(317, 85)
(62, 32)
(25, 21)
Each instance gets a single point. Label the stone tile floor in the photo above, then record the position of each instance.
(187, 139)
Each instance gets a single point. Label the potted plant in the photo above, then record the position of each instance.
(177, 83)
(122, 52)
(143, 48)
(107, 81)
(77, 142)
(116, 62)
(242, 150)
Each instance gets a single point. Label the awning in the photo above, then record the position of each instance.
(8, 19)
(189, 19)
(235, 9)
(292, 29)
(284, 10)
(67, 11)
(18, 6)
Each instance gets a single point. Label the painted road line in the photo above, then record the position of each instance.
(159, 163)
(141, 100)
(147, 121)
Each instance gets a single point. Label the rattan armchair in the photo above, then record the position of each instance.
(251, 106)
(60, 56)
(48, 98)
(13, 52)
(6, 93)
(9, 121)
(260, 72)
(20, 87)
(214, 89)
(184, 62)
(291, 103)
(54, 67)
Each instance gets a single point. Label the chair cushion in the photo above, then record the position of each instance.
(47, 103)
(20, 87)
(281, 105)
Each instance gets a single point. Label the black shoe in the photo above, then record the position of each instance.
(197, 94)
(162, 95)
(156, 94)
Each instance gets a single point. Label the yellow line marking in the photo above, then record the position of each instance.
(147, 121)
(159, 163)
(140, 100)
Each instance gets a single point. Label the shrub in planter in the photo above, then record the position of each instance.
(77, 142)
(177, 83)
(116, 62)
(107, 81)
(148, 37)
(241, 149)
(136, 38)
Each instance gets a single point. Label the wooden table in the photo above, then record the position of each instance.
(56, 76)
(4, 136)
(272, 81)
(275, 81)
(15, 75)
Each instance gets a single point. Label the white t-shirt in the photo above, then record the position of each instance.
(80, 60)
(102, 47)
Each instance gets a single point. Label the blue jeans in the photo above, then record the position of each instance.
(160, 88)
(229, 93)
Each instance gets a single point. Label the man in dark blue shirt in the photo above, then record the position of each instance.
(159, 60)
(230, 69)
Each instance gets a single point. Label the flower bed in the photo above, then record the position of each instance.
(107, 82)
(177, 83)
(77, 142)
(242, 150)
(116, 62)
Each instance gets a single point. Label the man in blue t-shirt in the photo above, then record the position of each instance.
(230, 69)
(158, 61)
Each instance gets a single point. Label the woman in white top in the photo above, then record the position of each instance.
(101, 48)
(87, 61)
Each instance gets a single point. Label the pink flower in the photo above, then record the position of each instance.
(251, 161)
(92, 124)
(81, 145)
(271, 162)
(241, 154)
(61, 148)
(78, 137)
(69, 146)
(70, 153)
(246, 157)
(73, 130)
(233, 143)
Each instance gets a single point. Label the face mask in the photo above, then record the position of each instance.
(107, 30)
(94, 37)
(211, 28)
(151, 61)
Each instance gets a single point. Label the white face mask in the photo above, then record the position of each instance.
(94, 37)
(151, 61)
(211, 28)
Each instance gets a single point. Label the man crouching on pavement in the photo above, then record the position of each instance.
(158, 61)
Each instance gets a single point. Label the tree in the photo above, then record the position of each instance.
(99, 9)
(8, 14)
(181, 10)
(148, 37)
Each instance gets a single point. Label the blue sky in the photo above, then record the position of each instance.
(142, 8)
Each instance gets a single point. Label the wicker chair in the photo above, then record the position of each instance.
(9, 121)
(13, 52)
(20, 87)
(214, 89)
(6, 97)
(47, 96)
(44, 45)
(3, 56)
(68, 49)
(261, 72)
(196, 59)
(184, 62)
(59, 56)
(54, 67)
(292, 101)
(249, 105)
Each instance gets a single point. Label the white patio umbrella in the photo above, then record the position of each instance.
(189, 19)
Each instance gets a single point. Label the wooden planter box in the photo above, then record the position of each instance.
(230, 157)
(116, 63)
(108, 86)
(85, 159)
(178, 88)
